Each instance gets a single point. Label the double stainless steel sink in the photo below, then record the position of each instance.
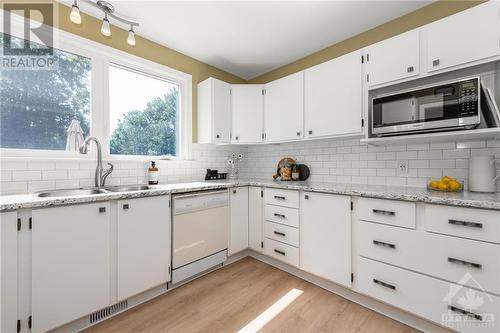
(92, 191)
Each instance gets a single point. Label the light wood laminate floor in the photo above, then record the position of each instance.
(230, 298)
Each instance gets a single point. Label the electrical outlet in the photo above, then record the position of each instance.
(403, 166)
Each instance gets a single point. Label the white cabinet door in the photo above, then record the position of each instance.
(8, 272)
(471, 35)
(214, 111)
(393, 59)
(255, 218)
(284, 108)
(70, 263)
(143, 238)
(325, 244)
(238, 235)
(333, 97)
(247, 105)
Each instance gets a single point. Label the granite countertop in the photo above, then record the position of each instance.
(466, 199)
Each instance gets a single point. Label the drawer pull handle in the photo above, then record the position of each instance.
(383, 284)
(280, 252)
(466, 224)
(384, 244)
(279, 215)
(102, 209)
(279, 233)
(126, 206)
(279, 197)
(467, 313)
(383, 212)
(465, 263)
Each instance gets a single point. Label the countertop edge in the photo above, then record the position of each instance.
(412, 197)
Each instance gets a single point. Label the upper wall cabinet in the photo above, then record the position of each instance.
(465, 37)
(247, 104)
(284, 108)
(393, 59)
(214, 111)
(333, 97)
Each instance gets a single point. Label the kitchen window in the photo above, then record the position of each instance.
(135, 107)
(144, 118)
(37, 106)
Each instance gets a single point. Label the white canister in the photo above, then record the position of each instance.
(482, 174)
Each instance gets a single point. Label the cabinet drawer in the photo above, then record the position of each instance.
(399, 213)
(281, 251)
(448, 258)
(424, 296)
(282, 215)
(282, 233)
(470, 223)
(286, 198)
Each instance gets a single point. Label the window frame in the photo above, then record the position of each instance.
(101, 57)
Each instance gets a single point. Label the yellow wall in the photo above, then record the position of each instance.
(91, 29)
(422, 16)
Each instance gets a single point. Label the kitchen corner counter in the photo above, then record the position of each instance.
(466, 199)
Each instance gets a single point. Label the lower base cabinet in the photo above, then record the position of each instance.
(238, 227)
(143, 244)
(325, 246)
(70, 263)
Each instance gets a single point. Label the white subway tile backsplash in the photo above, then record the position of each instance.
(442, 164)
(26, 175)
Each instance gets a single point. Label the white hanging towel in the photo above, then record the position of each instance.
(75, 136)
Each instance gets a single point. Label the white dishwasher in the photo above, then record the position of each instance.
(199, 232)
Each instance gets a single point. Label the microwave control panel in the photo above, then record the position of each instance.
(469, 92)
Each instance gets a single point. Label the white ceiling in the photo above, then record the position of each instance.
(249, 38)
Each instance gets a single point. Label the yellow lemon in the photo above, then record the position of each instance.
(446, 179)
(434, 184)
(455, 185)
(443, 186)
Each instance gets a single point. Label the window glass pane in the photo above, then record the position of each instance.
(143, 113)
(38, 105)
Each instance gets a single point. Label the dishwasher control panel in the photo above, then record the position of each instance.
(184, 203)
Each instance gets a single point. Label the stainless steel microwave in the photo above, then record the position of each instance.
(445, 106)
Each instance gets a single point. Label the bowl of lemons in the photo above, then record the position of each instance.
(445, 184)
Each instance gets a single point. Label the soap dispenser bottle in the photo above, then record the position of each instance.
(153, 174)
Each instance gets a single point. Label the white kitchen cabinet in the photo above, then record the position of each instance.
(393, 59)
(325, 244)
(468, 36)
(284, 108)
(144, 243)
(214, 111)
(70, 263)
(238, 235)
(247, 106)
(333, 97)
(8, 272)
(255, 218)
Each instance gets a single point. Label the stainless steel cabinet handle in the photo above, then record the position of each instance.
(466, 224)
(384, 244)
(126, 206)
(384, 284)
(102, 209)
(465, 263)
(279, 197)
(279, 233)
(435, 62)
(279, 215)
(280, 252)
(383, 212)
(467, 313)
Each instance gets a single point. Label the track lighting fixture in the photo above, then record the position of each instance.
(131, 37)
(74, 16)
(109, 12)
